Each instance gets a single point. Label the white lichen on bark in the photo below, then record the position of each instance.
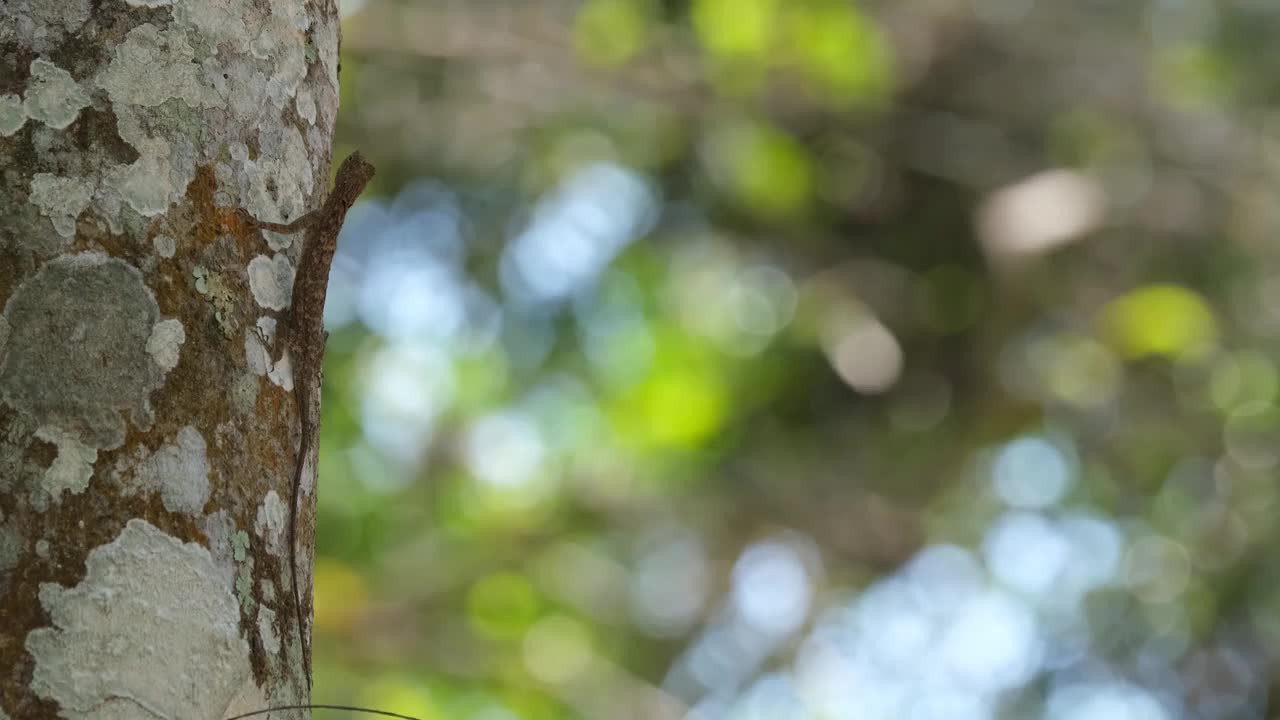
(52, 96)
(70, 471)
(96, 661)
(178, 471)
(271, 281)
(270, 523)
(166, 340)
(267, 630)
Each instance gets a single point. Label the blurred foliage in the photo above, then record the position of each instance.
(759, 359)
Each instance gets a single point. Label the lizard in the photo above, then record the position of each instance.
(303, 334)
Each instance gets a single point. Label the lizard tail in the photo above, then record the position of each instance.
(303, 643)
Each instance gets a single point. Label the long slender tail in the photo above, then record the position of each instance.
(296, 496)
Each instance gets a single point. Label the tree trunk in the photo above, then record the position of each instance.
(147, 441)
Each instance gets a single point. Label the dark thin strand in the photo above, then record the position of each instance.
(348, 708)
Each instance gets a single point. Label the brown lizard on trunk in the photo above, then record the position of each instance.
(304, 336)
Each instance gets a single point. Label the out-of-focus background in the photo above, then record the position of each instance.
(805, 359)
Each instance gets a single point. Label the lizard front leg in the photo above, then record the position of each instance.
(289, 228)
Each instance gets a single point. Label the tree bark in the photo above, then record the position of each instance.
(146, 439)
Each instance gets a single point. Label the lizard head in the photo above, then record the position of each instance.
(354, 173)
(357, 169)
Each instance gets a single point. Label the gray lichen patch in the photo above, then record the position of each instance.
(326, 47)
(267, 630)
(244, 394)
(70, 470)
(51, 18)
(270, 523)
(257, 353)
(77, 354)
(244, 587)
(244, 571)
(212, 286)
(61, 199)
(179, 471)
(165, 342)
(93, 662)
(164, 245)
(168, 59)
(166, 163)
(268, 195)
(240, 546)
(53, 97)
(267, 589)
(12, 116)
(306, 104)
(217, 529)
(271, 281)
(281, 373)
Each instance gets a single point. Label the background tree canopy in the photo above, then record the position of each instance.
(757, 359)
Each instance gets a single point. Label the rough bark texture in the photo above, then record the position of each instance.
(146, 439)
